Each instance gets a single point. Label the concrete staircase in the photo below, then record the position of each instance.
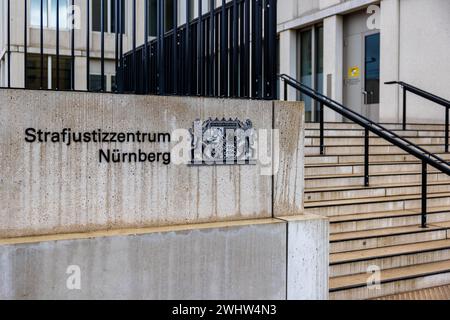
(377, 228)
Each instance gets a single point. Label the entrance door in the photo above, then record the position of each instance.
(361, 67)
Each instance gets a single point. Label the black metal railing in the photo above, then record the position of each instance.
(228, 50)
(428, 96)
(426, 158)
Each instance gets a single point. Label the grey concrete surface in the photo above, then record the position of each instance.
(231, 261)
(227, 260)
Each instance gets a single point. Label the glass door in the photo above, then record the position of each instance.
(311, 68)
(372, 69)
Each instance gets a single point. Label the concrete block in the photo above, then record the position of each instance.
(289, 183)
(239, 260)
(308, 256)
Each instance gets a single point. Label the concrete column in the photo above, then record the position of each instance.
(288, 59)
(307, 257)
(333, 62)
(80, 73)
(390, 103)
(17, 70)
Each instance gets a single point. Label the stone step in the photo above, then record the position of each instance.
(390, 126)
(321, 169)
(383, 190)
(386, 237)
(387, 219)
(347, 263)
(329, 158)
(392, 281)
(359, 149)
(360, 133)
(373, 141)
(357, 180)
(377, 204)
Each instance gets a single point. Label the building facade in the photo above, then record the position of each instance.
(30, 78)
(348, 49)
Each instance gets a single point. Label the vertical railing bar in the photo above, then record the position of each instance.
(256, 50)
(42, 43)
(57, 45)
(121, 60)
(235, 25)
(241, 71)
(8, 23)
(102, 28)
(146, 75)
(271, 43)
(322, 134)
(217, 56)
(211, 49)
(160, 47)
(447, 120)
(404, 108)
(72, 28)
(424, 194)
(88, 44)
(188, 62)
(25, 42)
(223, 49)
(116, 39)
(247, 50)
(265, 49)
(366, 157)
(175, 48)
(200, 40)
(135, 80)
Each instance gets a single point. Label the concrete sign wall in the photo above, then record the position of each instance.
(52, 187)
(96, 202)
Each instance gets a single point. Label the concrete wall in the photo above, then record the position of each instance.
(239, 260)
(415, 35)
(414, 45)
(51, 188)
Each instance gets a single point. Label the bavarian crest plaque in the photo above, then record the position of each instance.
(223, 142)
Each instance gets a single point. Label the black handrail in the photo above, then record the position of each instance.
(426, 157)
(428, 96)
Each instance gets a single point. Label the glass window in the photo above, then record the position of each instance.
(97, 15)
(33, 80)
(152, 17)
(319, 67)
(35, 12)
(372, 68)
(49, 13)
(65, 68)
(95, 82)
(113, 15)
(168, 19)
(306, 69)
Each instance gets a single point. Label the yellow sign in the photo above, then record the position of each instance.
(353, 72)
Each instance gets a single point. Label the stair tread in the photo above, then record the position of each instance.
(375, 145)
(390, 275)
(373, 186)
(358, 175)
(440, 154)
(368, 254)
(327, 203)
(383, 232)
(385, 214)
(387, 163)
